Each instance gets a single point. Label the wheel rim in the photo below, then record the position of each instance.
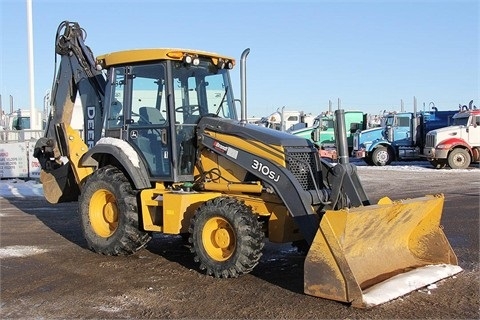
(103, 213)
(459, 160)
(382, 156)
(218, 239)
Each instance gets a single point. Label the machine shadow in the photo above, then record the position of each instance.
(61, 218)
(280, 264)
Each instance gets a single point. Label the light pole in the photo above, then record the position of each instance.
(33, 120)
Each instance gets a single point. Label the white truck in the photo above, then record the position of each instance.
(458, 145)
(17, 126)
(286, 120)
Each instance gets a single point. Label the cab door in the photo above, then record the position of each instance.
(474, 131)
(143, 118)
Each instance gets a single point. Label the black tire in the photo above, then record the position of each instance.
(382, 156)
(459, 158)
(368, 160)
(109, 214)
(438, 163)
(227, 238)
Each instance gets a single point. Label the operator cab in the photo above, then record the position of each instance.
(156, 105)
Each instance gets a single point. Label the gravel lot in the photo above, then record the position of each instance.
(46, 271)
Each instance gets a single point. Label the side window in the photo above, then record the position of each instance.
(115, 112)
(292, 118)
(476, 120)
(403, 122)
(148, 95)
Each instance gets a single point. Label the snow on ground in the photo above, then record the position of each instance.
(20, 251)
(18, 188)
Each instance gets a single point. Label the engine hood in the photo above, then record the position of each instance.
(447, 130)
(252, 132)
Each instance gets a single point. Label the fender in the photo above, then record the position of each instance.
(449, 144)
(376, 144)
(124, 154)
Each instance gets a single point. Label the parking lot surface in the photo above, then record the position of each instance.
(47, 272)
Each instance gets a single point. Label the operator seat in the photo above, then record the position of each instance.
(150, 114)
(150, 139)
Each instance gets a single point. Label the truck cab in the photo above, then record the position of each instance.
(18, 127)
(402, 137)
(322, 132)
(458, 145)
(287, 120)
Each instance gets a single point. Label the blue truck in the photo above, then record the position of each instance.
(401, 138)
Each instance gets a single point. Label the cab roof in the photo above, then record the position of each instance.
(142, 55)
(467, 113)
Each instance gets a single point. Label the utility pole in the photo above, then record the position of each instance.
(33, 120)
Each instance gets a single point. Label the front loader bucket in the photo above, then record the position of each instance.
(370, 255)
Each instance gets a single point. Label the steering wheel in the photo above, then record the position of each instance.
(188, 108)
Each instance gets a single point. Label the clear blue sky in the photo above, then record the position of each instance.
(370, 54)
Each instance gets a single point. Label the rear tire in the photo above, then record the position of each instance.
(459, 159)
(382, 156)
(109, 214)
(226, 237)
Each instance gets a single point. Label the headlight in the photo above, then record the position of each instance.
(443, 146)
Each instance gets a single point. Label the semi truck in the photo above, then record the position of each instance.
(287, 120)
(401, 138)
(457, 145)
(322, 132)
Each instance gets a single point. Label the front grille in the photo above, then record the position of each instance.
(430, 141)
(300, 165)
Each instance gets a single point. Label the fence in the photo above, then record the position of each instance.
(16, 154)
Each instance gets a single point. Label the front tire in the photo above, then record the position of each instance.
(438, 163)
(226, 237)
(109, 214)
(368, 160)
(382, 156)
(459, 159)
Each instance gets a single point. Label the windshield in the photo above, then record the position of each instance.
(20, 123)
(327, 124)
(462, 121)
(390, 121)
(202, 89)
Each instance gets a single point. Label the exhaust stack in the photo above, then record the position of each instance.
(243, 86)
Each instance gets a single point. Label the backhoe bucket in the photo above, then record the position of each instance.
(370, 255)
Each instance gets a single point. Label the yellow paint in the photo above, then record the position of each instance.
(170, 212)
(141, 55)
(359, 247)
(76, 149)
(274, 153)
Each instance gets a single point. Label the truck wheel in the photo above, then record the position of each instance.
(382, 156)
(368, 160)
(438, 163)
(226, 237)
(459, 159)
(109, 214)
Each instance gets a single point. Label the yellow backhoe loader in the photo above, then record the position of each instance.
(163, 151)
